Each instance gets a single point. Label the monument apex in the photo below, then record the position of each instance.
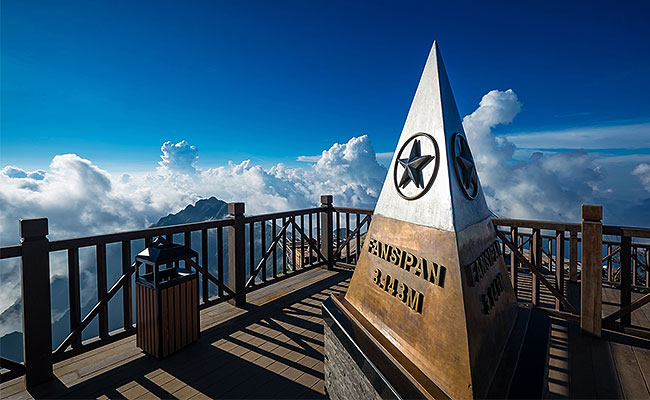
(444, 205)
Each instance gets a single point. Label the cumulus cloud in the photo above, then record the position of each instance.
(642, 171)
(18, 173)
(349, 171)
(546, 186)
(79, 198)
(180, 157)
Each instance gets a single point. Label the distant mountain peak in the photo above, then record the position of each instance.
(203, 210)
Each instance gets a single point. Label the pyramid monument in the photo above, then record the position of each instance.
(430, 286)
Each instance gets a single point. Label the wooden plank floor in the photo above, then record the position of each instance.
(273, 349)
(586, 367)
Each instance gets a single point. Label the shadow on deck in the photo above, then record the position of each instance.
(273, 348)
(270, 349)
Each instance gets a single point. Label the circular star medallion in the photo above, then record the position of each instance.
(464, 166)
(416, 166)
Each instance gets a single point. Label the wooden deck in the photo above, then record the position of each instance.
(273, 349)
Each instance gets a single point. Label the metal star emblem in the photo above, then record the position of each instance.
(413, 166)
(465, 167)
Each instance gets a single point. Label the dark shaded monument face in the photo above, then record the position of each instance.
(430, 284)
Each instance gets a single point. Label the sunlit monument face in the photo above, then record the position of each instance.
(430, 285)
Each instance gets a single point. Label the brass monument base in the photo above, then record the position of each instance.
(381, 368)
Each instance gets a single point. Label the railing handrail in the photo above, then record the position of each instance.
(626, 231)
(11, 251)
(537, 224)
(354, 210)
(282, 214)
(65, 244)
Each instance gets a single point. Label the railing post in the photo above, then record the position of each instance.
(327, 233)
(592, 271)
(35, 291)
(237, 254)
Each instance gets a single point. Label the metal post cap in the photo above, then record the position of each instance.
(592, 212)
(235, 208)
(33, 227)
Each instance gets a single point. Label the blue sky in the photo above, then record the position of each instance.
(270, 81)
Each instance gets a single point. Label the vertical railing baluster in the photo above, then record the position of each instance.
(310, 250)
(573, 256)
(101, 289)
(609, 263)
(220, 247)
(634, 265)
(348, 231)
(251, 253)
(293, 242)
(302, 240)
(127, 297)
(284, 247)
(559, 266)
(536, 260)
(275, 247)
(647, 267)
(337, 232)
(503, 246)
(318, 234)
(205, 264)
(187, 239)
(263, 246)
(626, 277)
(358, 249)
(551, 262)
(74, 293)
(514, 262)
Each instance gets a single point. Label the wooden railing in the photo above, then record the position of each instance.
(351, 225)
(242, 254)
(528, 247)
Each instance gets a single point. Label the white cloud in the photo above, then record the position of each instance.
(18, 173)
(80, 198)
(383, 158)
(179, 157)
(626, 136)
(546, 186)
(642, 171)
(496, 107)
(311, 159)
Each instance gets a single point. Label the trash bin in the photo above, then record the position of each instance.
(167, 298)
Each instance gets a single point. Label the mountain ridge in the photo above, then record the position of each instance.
(203, 210)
